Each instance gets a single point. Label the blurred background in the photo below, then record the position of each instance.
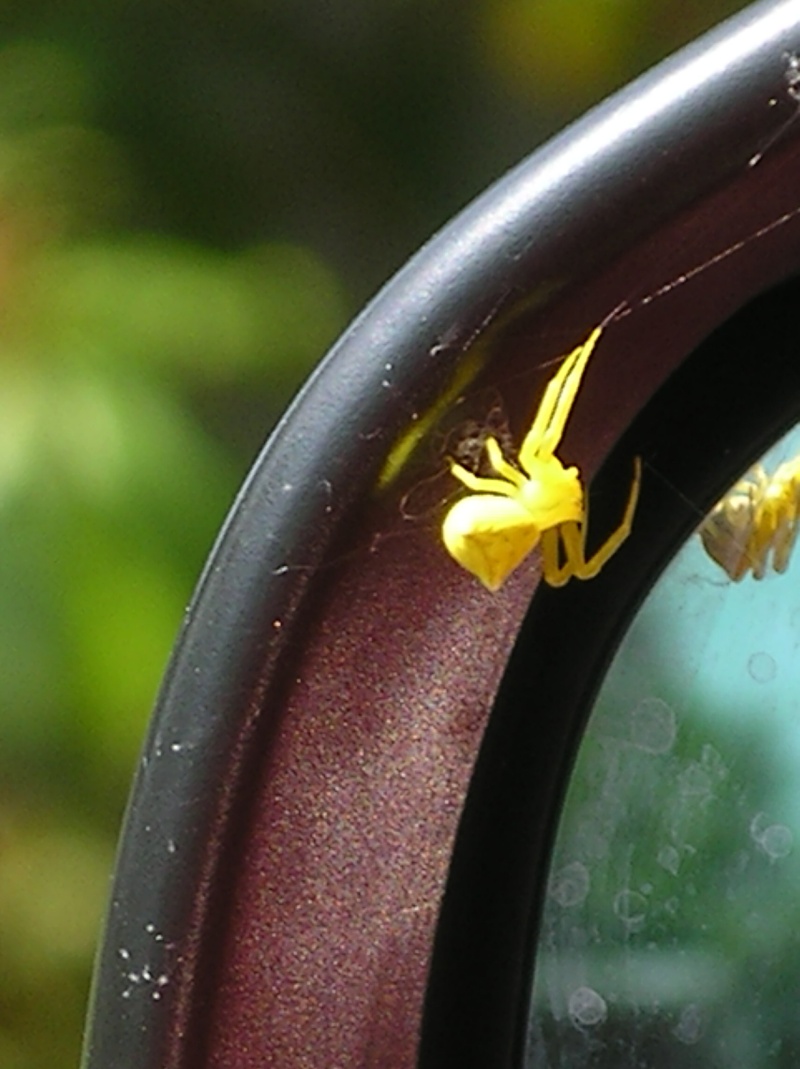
(195, 198)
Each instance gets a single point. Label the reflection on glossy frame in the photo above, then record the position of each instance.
(671, 929)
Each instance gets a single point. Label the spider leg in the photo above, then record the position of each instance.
(591, 567)
(766, 509)
(573, 537)
(786, 516)
(724, 533)
(559, 396)
(555, 573)
(783, 551)
(482, 485)
(785, 538)
(501, 465)
(750, 497)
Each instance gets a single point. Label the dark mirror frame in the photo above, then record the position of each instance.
(293, 821)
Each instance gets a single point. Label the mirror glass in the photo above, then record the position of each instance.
(671, 929)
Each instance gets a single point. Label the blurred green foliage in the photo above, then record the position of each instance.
(194, 198)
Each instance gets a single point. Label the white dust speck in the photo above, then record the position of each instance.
(147, 978)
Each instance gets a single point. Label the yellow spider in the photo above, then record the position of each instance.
(491, 531)
(756, 518)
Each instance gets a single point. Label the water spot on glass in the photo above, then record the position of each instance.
(672, 905)
(586, 1007)
(711, 759)
(762, 667)
(669, 859)
(631, 908)
(690, 1024)
(653, 726)
(570, 885)
(695, 780)
(740, 862)
(774, 839)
